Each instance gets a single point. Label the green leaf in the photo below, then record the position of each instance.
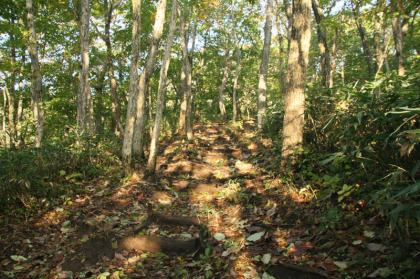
(219, 236)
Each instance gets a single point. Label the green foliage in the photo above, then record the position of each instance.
(30, 177)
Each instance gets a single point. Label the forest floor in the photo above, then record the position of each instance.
(212, 210)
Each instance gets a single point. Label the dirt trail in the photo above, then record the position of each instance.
(247, 227)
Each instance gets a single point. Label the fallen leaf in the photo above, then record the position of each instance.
(375, 247)
(219, 236)
(18, 258)
(256, 236)
(266, 258)
(382, 272)
(369, 234)
(341, 265)
(357, 242)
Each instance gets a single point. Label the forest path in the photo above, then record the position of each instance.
(253, 225)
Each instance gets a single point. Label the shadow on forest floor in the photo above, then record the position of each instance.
(210, 211)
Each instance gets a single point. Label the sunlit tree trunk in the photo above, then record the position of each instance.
(296, 78)
(36, 79)
(377, 41)
(262, 84)
(110, 61)
(160, 102)
(185, 75)
(138, 138)
(322, 43)
(333, 58)
(397, 30)
(190, 95)
(235, 84)
(226, 73)
(131, 104)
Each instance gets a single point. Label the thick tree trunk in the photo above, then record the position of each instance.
(160, 102)
(397, 30)
(235, 84)
(111, 74)
(226, 73)
(185, 75)
(83, 91)
(36, 79)
(132, 100)
(296, 79)
(322, 42)
(145, 76)
(262, 84)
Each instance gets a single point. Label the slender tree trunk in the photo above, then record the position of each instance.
(333, 58)
(226, 73)
(322, 42)
(36, 79)
(190, 95)
(289, 15)
(377, 41)
(397, 30)
(365, 43)
(99, 86)
(262, 84)
(235, 84)
(132, 100)
(3, 122)
(111, 72)
(296, 79)
(145, 76)
(185, 74)
(160, 102)
(83, 91)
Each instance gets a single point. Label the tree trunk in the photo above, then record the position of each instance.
(83, 91)
(397, 30)
(296, 79)
(36, 79)
(145, 76)
(190, 95)
(151, 163)
(262, 84)
(185, 74)
(111, 74)
(322, 42)
(132, 99)
(377, 41)
(235, 84)
(226, 73)
(333, 58)
(365, 43)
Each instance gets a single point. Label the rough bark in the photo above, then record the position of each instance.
(322, 43)
(296, 79)
(83, 90)
(131, 105)
(36, 79)
(225, 77)
(138, 138)
(262, 84)
(111, 73)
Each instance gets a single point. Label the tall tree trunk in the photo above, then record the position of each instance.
(377, 41)
(225, 77)
(132, 99)
(3, 122)
(365, 43)
(145, 76)
(190, 95)
(296, 79)
(36, 79)
(397, 30)
(160, 102)
(235, 84)
(333, 58)
(83, 91)
(185, 75)
(322, 42)
(111, 73)
(262, 84)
